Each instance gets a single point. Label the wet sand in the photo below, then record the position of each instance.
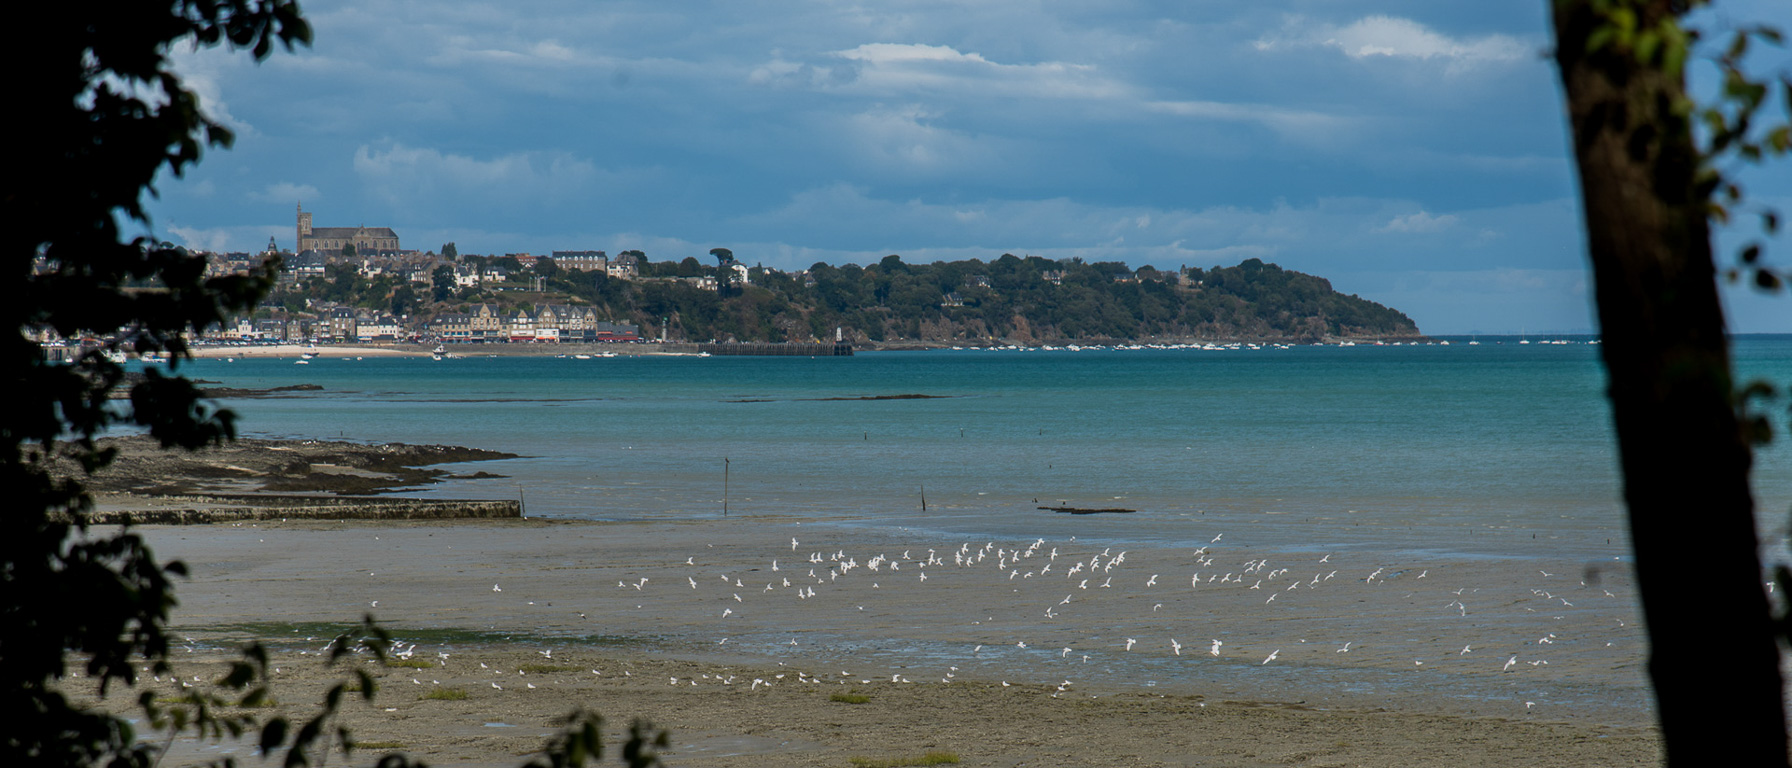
(1440, 662)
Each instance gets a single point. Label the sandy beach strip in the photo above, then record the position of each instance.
(614, 617)
(300, 350)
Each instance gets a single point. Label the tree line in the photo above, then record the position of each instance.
(1007, 298)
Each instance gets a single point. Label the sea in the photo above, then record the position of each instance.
(1437, 439)
(1483, 455)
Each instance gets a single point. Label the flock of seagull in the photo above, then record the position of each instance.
(1032, 595)
(1034, 608)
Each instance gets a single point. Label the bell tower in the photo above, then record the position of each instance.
(304, 229)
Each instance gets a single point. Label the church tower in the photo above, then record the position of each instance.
(304, 229)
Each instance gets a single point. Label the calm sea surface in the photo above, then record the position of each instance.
(1435, 443)
(1485, 470)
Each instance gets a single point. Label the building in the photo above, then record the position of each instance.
(366, 240)
(584, 261)
(625, 266)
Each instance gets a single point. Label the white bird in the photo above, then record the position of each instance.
(1023, 644)
(692, 581)
(1151, 582)
(1215, 650)
(1346, 648)
(1175, 646)
(496, 589)
(1065, 654)
(1272, 656)
(1509, 663)
(1464, 651)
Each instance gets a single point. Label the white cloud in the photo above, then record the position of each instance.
(1393, 36)
(202, 239)
(1381, 36)
(1419, 222)
(914, 69)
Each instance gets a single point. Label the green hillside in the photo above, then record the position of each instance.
(1009, 298)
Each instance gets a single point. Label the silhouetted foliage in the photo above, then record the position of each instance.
(106, 113)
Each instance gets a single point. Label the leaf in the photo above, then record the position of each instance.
(273, 734)
(368, 686)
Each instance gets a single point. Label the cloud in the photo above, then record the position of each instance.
(908, 142)
(286, 192)
(916, 69)
(202, 239)
(203, 71)
(405, 175)
(1289, 123)
(1392, 37)
(1419, 222)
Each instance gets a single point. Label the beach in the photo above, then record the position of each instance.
(1368, 556)
(676, 622)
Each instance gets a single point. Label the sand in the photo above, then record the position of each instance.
(937, 660)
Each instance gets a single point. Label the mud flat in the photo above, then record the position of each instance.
(687, 624)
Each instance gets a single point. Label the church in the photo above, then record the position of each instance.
(330, 240)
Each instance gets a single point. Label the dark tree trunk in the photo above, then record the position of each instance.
(1713, 657)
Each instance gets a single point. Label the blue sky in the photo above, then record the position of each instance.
(1412, 152)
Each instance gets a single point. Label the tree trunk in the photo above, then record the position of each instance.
(1713, 657)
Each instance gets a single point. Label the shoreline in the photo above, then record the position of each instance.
(523, 603)
(690, 349)
(1001, 669)
(718, 713)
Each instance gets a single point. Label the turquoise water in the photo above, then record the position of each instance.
(1461, 495)
(1430, 444)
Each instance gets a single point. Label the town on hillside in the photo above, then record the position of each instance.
(360, 284)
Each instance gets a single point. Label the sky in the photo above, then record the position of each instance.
(1414, 153)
